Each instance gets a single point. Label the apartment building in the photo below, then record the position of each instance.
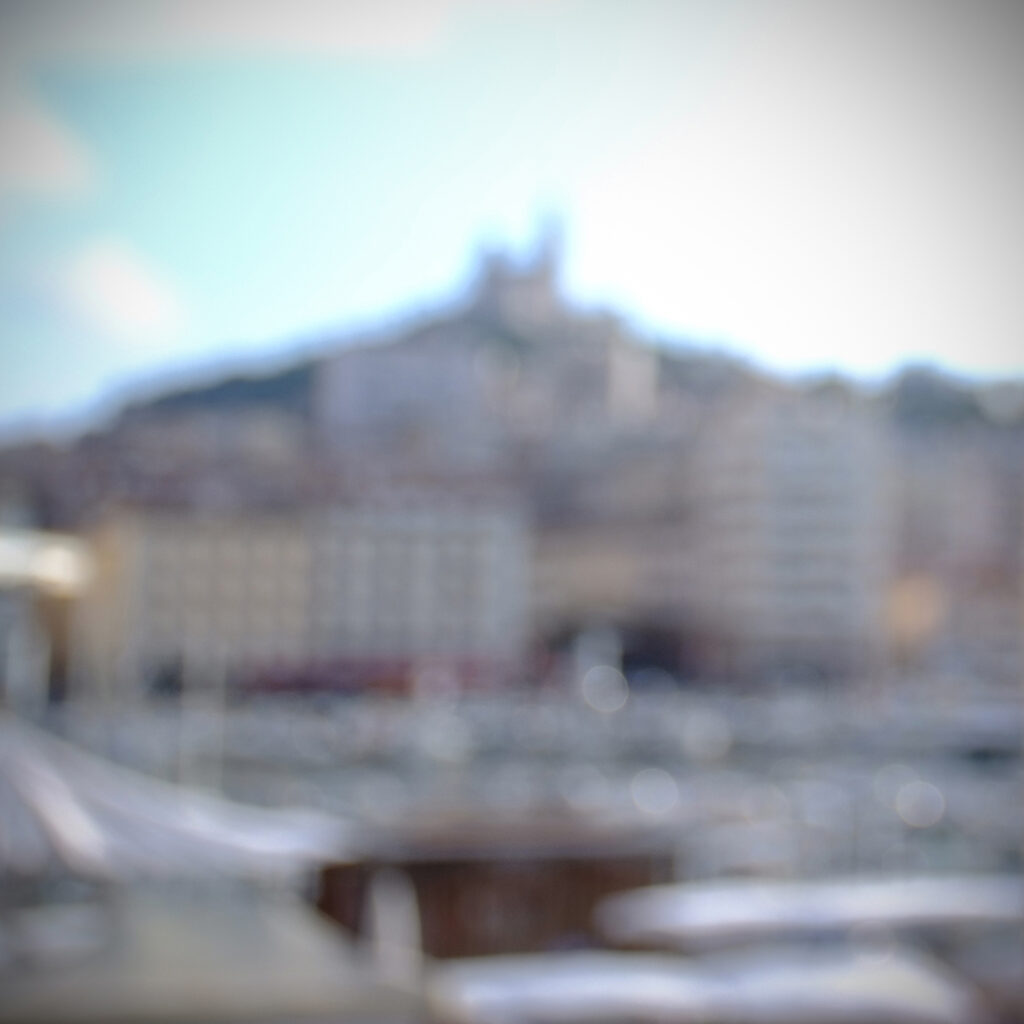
(177, 593)
(435, 589)
(959, 510)
(791, 535)
(321, 595)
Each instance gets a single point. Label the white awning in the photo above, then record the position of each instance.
(102, 820)
(53, 562)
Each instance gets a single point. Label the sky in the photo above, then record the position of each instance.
(812, 185)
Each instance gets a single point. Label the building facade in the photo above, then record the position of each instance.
(324, 597)
(791, 536)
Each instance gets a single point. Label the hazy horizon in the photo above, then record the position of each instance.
(143, 385)
(809, 188)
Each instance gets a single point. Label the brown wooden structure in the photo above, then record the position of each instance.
(490, 887)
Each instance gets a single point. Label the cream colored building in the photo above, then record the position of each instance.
(242, 595)
(587, 575)
(203, 593)
(958, 592)
(610, 573)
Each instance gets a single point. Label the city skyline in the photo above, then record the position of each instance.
(184, 187)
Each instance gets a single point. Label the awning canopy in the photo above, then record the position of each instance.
(52, 562)
(63, 807)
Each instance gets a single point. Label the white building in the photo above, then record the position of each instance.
(420, 582)
(791, 535)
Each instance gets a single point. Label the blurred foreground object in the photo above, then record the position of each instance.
(824, 988)
(731, 912)
(102, 821)
(973, 924)
(203, 959)
(126, 898)
(494, 884)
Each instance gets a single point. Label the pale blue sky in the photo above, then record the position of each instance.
(812, 184)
